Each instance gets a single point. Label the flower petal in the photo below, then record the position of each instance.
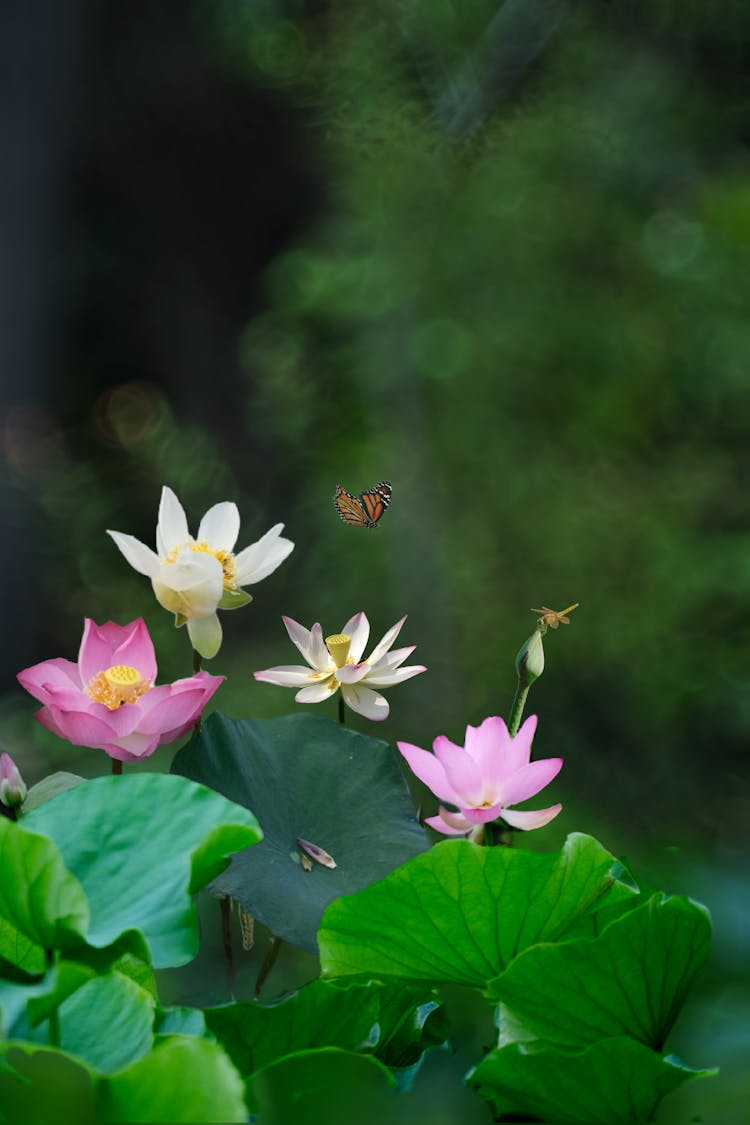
(488, 743)
(172, 529)
(429, 770)
(192, 586)
(205, 635)
(483, 816)
(382, 647)
(289, 675)
(464, 777)
(358, 628)
(174, 708)
(321, 656)
(220, 526)
(529, 820)
(520, 746)
(366, 702)
(51, 676)
(140, 557)
(260, 559)
(529, 780)
(137, 650)
(441, 824)
(352, 673)
(303, 639)
(79, 727)
(388, 679)
(316, 693)
(391, 660)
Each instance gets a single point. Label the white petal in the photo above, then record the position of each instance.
(140, 557)
(388, 679)
(316, 693)
(192, 588)
(260, 559)
(320, 654)
(172, 529)
(365, 702)
(289, 675)
(358, 628)
(381, 648)
(352, 673)
(531, 819)
(205, 635)
(220, 526)
(392, 660)
(310, 644)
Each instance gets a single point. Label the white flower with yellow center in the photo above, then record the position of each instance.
(192, 578)
(336, 662)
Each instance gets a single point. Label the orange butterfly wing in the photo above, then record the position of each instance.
(365, 510)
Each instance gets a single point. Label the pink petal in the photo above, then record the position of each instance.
(352, 673)
(483, 816)
(174, 709)
(520, 747)
(529, 820)
(461, 771)
(383, 646)
(488, 742)
(97, 645)
(79, 727)
(529, 780)
(441, 825)
(40, 680)
(137, 650)
(133, 748)
(430, 770)
(358, 628)
(366, 702)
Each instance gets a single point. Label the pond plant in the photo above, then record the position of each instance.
(308, 826)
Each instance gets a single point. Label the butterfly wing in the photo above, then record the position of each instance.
(376, 500)
(350, 508)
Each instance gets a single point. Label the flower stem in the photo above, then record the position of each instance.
(116, 766)
(342, 712)
(268, 963)
(197, 661)
(516, 711)
(226, 937)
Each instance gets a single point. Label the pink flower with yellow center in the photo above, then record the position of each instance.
(109, 701)
(483, 778)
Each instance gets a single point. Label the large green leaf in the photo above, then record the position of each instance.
(631, 980)
(327, 1085)
(23, 1005)
(140, 846)
(318, 1015)
(20, 950)
(462, 912)
(305, 777)
(183, 1079)
(39, 897)
(180, 1080)
(613, 1082)
(108, 1022)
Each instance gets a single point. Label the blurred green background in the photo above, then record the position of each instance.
(494, 253)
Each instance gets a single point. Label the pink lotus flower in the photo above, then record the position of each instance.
(109, 701)
(12, 786)
(484, 778)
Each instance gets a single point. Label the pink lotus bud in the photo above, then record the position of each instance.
(12, 787)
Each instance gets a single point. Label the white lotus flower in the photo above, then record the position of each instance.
(336, 662)
(192, 578)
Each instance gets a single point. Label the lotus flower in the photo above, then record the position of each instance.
(485, 777)
(109, 701)
(192, 578)
(336, 662)
(12, 786)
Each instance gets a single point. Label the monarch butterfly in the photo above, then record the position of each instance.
(364, 510)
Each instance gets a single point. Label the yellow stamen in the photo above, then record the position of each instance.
(338, 646)
(119, 684)
(226, 558)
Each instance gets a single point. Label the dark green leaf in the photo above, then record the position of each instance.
(306, 777)
(462, 912)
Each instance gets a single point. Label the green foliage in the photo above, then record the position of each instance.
(305, 777)
(143, 868)
(460, 913)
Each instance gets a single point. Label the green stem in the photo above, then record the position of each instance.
(226, 937)
(268, 963)
(342, 712)
(116, 766)
(516, 711)
(54, 1016)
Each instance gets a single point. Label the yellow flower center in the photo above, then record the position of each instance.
(119, 684)
(226, 558)
(338, 646)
